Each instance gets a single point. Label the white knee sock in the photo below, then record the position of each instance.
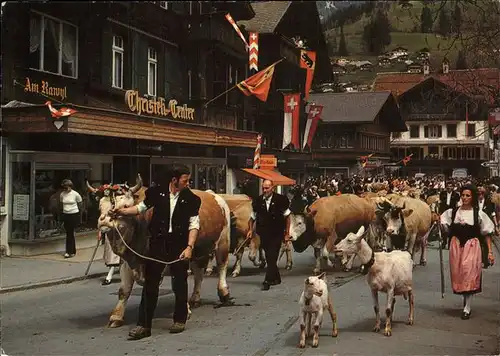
(467, 299)
(110, 273)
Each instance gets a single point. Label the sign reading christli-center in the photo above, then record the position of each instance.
(157, 106)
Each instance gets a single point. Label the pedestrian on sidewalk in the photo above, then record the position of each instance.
(469, 228)
(173, 235)
(71, 205)
(272, 222)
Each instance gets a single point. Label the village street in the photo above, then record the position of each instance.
(70, 319)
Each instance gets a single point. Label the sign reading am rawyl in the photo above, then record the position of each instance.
(157, 106)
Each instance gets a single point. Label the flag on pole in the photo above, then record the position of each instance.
(253, 52)
(258, 84)
(237, 29)
(308, 62)
(407, 159)
(466, 119)
(364, 159)
(256, 155)
(311, 125)
(291, 120)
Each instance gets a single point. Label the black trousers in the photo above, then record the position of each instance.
(164, 249)
(271, 245)
(70, 221)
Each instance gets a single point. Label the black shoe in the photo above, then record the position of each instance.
(275, 282)
(139, 332)
(265, 286)
(106, 282)
(465, 315)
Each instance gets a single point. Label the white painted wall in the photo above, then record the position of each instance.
(4, 217)
(481, 132)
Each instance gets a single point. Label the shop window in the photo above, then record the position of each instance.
(3, 164)
(48, 221)
(21, 200)
(221, 179)
(414, 131)
(451, 130)
(117, 70)
(53, 45)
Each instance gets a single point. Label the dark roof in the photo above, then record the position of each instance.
(268, 14)
(357, 107)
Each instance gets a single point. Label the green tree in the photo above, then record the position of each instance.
(444, 23)
(342, 45)
(461, 60)
(456, 21)
(377, 33)
(426, 20)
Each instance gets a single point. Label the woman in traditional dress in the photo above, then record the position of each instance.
(111, 260)
(469, 228)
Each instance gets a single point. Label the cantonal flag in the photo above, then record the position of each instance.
(258, 84)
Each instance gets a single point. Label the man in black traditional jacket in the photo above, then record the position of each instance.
(174, 229)
(272, 222)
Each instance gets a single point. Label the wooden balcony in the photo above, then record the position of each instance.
(215, 28)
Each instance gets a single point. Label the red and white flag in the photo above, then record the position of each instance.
(312, 124)
(237, 29)
(291, 120)
(253, 53)
(256, 155)
(62, 112)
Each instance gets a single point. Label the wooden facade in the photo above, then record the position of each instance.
(184, 43)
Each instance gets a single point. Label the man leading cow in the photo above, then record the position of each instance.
(271, 217)
(174, 229)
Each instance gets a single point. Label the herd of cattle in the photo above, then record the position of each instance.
(387, 221)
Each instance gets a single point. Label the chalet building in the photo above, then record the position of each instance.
(280, 24)
(138, 76)
(354, 125)
(447, 118)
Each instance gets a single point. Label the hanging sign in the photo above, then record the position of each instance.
(157, 106)
(44, 88)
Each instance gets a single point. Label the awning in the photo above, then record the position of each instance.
(277, 178)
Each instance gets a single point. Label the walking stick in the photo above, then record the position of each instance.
(441, 267)
(93, 256)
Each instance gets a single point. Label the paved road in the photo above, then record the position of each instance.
(70, 319)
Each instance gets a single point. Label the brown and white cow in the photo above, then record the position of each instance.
(241, 211)
(327, 221)
(214, 235)
(409, 221)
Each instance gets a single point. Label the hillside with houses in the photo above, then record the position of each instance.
(367, 38)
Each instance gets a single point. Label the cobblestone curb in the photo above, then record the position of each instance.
(51, 283)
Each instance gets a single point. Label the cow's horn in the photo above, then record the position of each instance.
(138, 185)
(91, 188)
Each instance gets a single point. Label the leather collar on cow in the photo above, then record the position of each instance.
(366, 267)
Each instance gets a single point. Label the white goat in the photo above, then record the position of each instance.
(313, 301)
(388, 272)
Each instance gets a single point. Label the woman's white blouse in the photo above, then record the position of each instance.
(467, 217)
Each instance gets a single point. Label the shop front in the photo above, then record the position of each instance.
(84, 148)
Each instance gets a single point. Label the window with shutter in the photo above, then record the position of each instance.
(440, 131)
(426, 131)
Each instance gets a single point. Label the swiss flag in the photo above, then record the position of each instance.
(291, 120)
(311, 124)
